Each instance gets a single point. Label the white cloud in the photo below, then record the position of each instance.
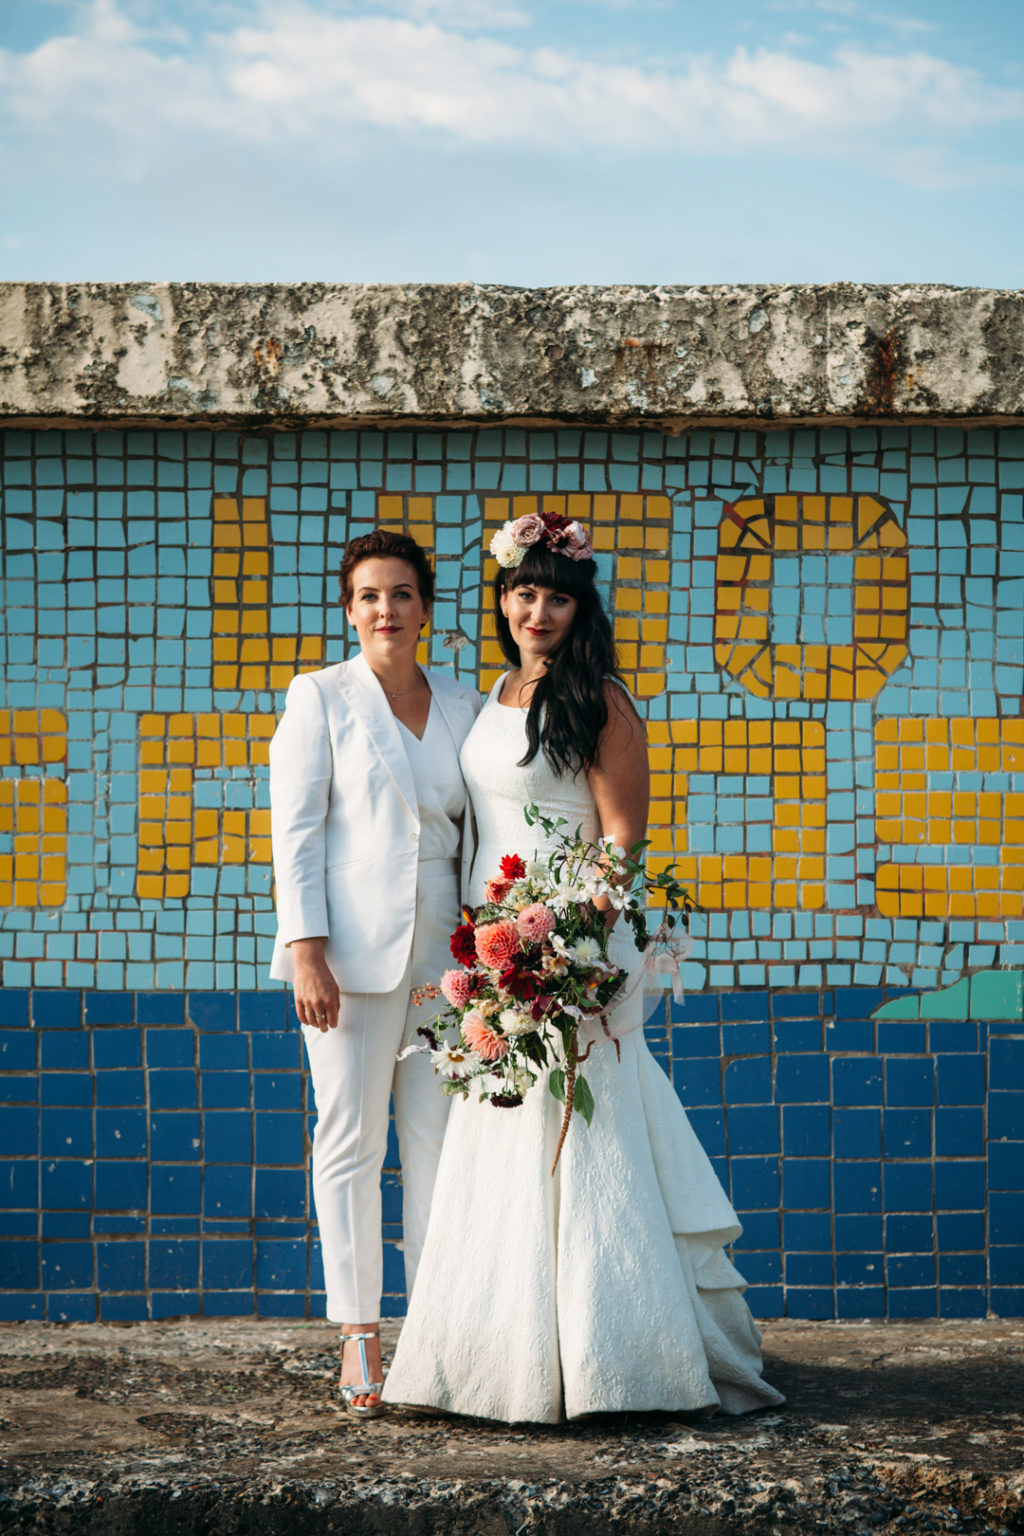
(471, 14)
(314, 80)
(856, 11)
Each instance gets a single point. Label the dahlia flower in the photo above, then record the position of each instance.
(505, 549)
(456, 988)
(462, 945)
(496, 943)
(488, 1044)
(536, 922)
(515, 1023)
(585, 952)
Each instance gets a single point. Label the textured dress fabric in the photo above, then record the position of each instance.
(604, 1288)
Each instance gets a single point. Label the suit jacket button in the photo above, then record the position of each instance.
(414, 837)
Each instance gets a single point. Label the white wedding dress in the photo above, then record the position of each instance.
(604, 1288)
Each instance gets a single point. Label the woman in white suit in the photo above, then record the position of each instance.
(367, 806)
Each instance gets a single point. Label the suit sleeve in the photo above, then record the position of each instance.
(301, 769)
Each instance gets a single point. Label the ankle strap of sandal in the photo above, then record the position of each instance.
(345, 1337)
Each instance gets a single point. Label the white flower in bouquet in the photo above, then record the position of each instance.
(522, 1080)
(614, 849)
(514, 1022)
(585, 952)
(455, 1061)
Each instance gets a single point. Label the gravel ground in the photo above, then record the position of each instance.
(232, 1426)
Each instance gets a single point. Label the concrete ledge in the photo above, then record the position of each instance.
(233, 1426)
(665, 357)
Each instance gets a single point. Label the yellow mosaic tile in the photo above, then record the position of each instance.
(910, 812)
(175, 835)
(241, 568)
(751, 532)
(33, 809)
(33, 815)
(30, 737)
(792, 754)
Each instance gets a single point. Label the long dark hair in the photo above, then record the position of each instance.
(568, 710)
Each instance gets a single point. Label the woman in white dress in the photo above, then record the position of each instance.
(605, 1287)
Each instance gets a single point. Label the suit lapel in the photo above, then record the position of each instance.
(456, 713)
(369, 702)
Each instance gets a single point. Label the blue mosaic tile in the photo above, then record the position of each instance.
(81, 512)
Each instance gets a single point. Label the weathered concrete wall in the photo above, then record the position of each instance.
(671, 357)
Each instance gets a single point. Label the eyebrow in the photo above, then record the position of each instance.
(402, 586)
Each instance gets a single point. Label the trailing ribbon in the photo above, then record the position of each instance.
(664, 951)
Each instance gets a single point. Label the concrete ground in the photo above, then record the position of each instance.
(233, 1427)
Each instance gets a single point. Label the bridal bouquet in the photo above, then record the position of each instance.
(534, 969)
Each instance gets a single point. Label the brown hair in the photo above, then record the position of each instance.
(383, 544)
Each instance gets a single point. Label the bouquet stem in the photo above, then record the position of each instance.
(571, 1060)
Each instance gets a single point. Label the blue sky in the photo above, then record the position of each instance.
(520, 141)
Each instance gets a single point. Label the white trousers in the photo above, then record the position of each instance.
(354, 1075)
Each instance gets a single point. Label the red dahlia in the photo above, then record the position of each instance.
(463, 944)
(512, 867)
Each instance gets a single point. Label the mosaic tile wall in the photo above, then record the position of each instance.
(824, 629)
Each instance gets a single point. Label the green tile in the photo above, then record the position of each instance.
(899, 1008)
(997, 995)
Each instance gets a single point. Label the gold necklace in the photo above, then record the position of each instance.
(405, 691)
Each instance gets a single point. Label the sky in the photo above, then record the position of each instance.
(532, 142)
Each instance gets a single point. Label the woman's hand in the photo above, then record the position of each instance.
(316, 991)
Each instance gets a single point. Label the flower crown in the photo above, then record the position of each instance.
(562, 535)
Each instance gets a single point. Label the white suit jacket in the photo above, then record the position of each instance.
(345, 822)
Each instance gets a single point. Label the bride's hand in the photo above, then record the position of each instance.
(316, 991)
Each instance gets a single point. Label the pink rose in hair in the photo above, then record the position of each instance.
(496, 943)
(536, 922)
(528, 530)
(456, 987)
(480, 1037)
(577, 543)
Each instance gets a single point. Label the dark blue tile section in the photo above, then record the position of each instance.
(871, 1161)
(753, 1128)
(160, 1008)
(213, 1010)
(14, 1005)
(1007, 1065)
(57, 1010)
(60, 1051)
(121, 1133)
(174, 1264)
(108, 1008)
(263, 1011)
(171, 1048)
(122, 1186)
(807, 1130)
(112, 1048)
(18, 1050)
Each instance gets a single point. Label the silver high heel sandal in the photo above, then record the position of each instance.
(365, 1387)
